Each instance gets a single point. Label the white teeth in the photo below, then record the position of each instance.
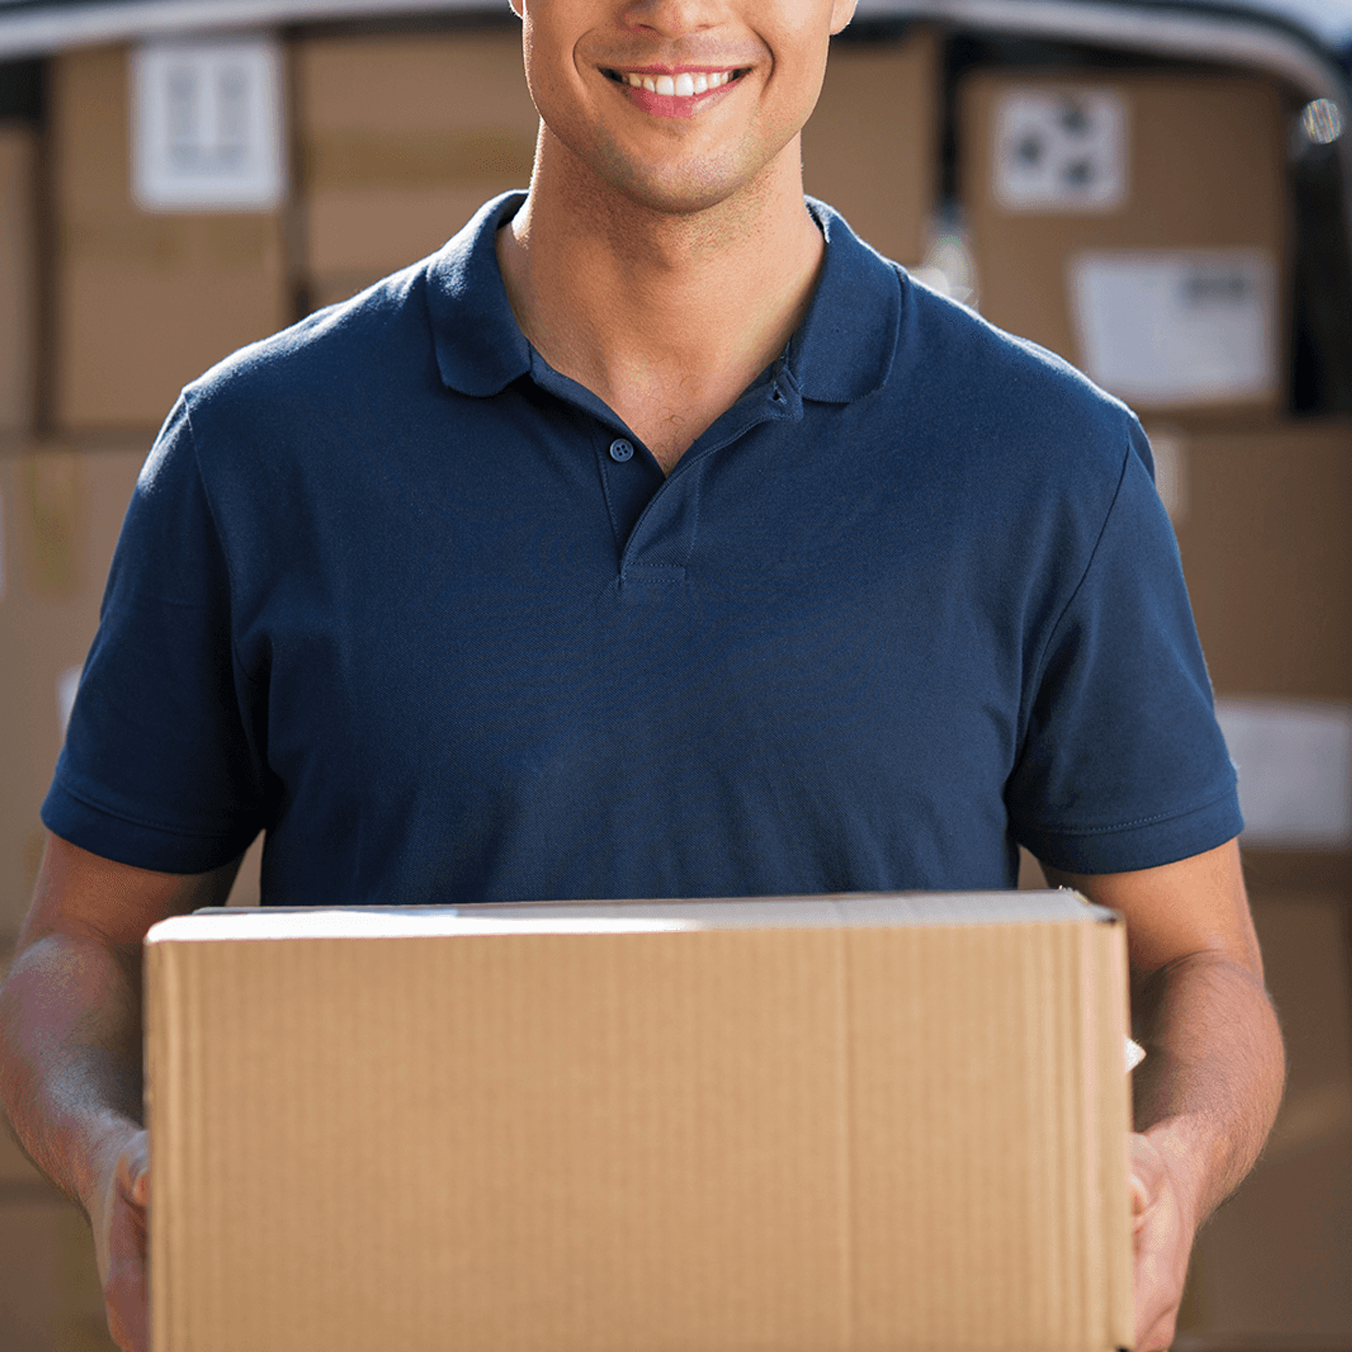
(683, 86)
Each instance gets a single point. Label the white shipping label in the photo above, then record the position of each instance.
(1060, 150)
(207, 126)
(1295, 770)
(1177, 328)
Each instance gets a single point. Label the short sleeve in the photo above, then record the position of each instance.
(1123, 765)
(160, 767)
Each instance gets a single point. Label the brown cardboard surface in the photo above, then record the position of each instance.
(871, 146)
(61, 512)
(699, 1126)
(18, 271)
(1206, 170)
(403, 138)
(1267, 549)
(145, 302)
(49, 1290)
(1272, 1266)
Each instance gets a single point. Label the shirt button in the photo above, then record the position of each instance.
(621, 450)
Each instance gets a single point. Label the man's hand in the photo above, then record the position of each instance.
(119, 1218)
(1163, 1232)
(1207, 1092)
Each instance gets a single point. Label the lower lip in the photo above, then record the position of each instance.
(673, 105)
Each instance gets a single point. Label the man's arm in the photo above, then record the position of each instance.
(1208, 1090)
(70, 1048)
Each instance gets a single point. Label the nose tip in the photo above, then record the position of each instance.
(672, 18)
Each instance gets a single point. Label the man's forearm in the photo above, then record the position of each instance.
(1209, 1088)
(70, 1056)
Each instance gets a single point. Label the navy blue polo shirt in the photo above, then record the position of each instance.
(427, 613)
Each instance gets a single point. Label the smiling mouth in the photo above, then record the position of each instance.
(687, 84)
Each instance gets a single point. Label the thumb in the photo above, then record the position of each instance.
(133, 1170)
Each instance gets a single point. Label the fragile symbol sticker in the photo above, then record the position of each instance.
(1061, 150)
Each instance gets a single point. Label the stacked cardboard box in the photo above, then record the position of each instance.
(871, 148)
(61, 512)
(1136, 223)
(145, 301)
(18, 274)
(402, 139)
(1267, 548)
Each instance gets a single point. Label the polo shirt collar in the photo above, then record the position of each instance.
(480, 347)
(843, 350)
(846, 345)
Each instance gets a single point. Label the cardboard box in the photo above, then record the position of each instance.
(145, 302)
(1267, 548)
(864, 1122)
(50, 1299)
(60, 514)
(1271, 1269)
(18, 273)
(403, 137)
(871, 147)
(1136, 223)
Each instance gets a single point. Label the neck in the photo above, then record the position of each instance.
(666, 316)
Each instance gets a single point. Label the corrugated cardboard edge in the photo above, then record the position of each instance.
(163, 1001)
(1107, 942)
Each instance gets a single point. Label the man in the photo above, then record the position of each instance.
(655, 538)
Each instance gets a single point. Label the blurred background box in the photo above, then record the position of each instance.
(1263, 526)
(49, 1287)
(1136, 223)
(1266, 538)
(1271, 1268)
(871, 147)
(18, 276)
(145, 302)
(61, 511)
(402, 138)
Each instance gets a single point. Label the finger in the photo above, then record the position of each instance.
(1140, 1199)
(125, 1288)
(133, 1171)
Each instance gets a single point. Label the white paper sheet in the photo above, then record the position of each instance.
(1295, 770)
(1061, 150)
(1177, 328)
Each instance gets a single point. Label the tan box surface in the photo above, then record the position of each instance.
(712, 1125)
(18, 273)
(871, 147)
(145, 302)
(403, 138)
(49, 1288)
(61, 512)
(1204, 168)
(1267, 548)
